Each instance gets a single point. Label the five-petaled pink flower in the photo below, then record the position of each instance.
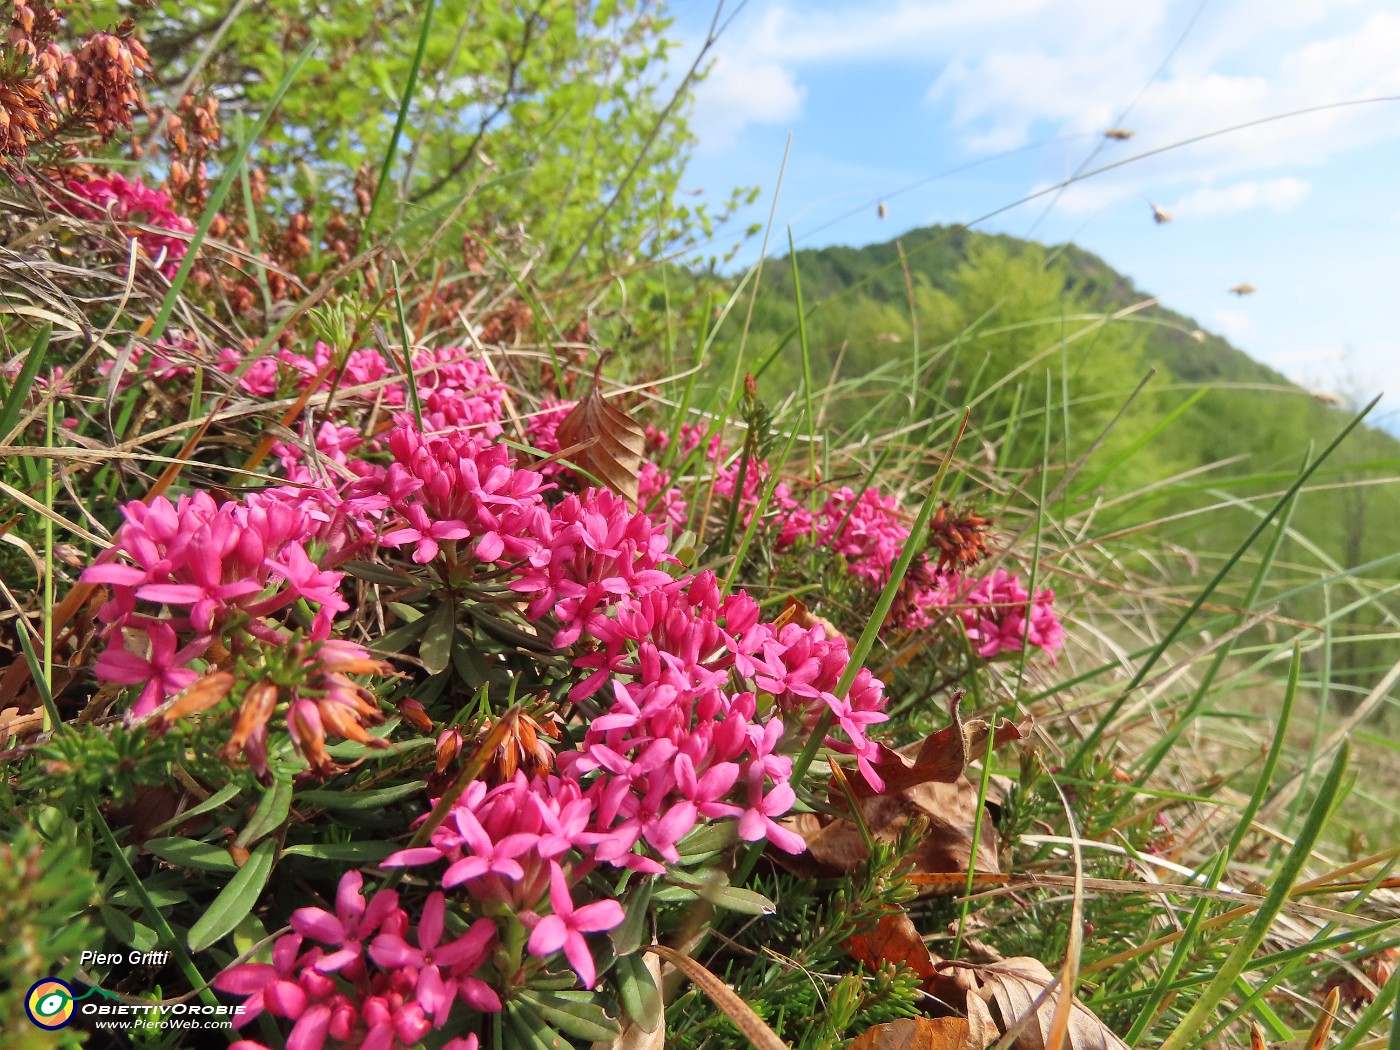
(564, 929)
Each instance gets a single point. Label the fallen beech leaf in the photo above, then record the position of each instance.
(14, 724)
(1018, 986)
(835, 845)
(945, 754)
(894, 939)
(921, 1033)
(932, 788)
(613, 442)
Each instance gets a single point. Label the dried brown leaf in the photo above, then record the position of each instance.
(724, 997)
(1018, 988)
(1317, 1038)
(835, 845)
(896, 940)
(612, 443)
(14, 724)
(932, 788)
(922, 1033)
(945, 754)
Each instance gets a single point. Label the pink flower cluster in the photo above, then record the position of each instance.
(455, 390)
(458, 487)
(210, 568)
(995, 616)
(701, 703)
(514, 846)
(869, 532)
(363, 982)
(131, 201)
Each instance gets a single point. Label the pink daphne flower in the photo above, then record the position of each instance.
(165, 670)
(458, 487)
(127, 201)
(995, 617)
(351, 924)
(444, 970)
(564, 929)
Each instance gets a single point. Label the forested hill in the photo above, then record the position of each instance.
(1031, 336)
(981, 306)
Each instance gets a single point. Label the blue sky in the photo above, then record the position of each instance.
(885, 94)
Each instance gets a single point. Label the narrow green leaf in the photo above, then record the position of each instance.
(531, 1030)
(1091, 741)
(435, 650)
(640, 996)
(15, 395)
(628, 937)
(371, 573)
(580, 1017)
(235, 900)
(268, 817)
(378, 798)
(190, 853)
(1195, 1020)
(225, 794)
(355, 852)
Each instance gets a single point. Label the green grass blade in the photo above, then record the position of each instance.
(1086, 748)
(1194, 1022)
(15, 396)
(391, 150)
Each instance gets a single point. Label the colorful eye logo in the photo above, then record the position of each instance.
(49, 1004)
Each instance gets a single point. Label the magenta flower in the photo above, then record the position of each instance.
(431, 959)
(352, 922)
(274, 988)
(131, 201)
(165, 671)
(564, 929)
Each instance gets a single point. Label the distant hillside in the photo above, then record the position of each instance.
(994, 316)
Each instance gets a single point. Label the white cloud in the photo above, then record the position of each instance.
(1006, 72)
(1278, 195)
(739, 92)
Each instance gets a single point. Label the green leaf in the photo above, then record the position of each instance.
(15, 395)
(235, 900)
(368, 571)
(400, 638)
(190, 853)
(735, 898)
(640, 996)
(358, 852)
(271, 813)
(530, 1030)
(435, 650)
(574, 1013)
(225, 794)
(118, 924)
(378, 798)
(628, 937)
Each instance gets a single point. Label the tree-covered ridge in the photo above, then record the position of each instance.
(946, 318)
